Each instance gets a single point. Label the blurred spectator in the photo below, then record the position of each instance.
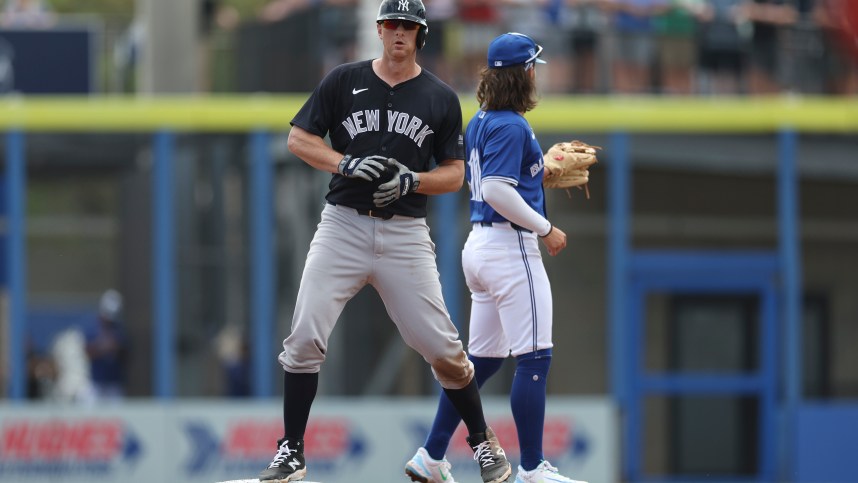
(768, 19)
(527, 17)
(126, 53)
(41, 374)
(106, 346)
(723, 44)
(277, 10)
(556, 34)
(542, 21)
(588, 24)
(233, 353)
(676, 45)
(479, 24)
(339, 19)
(7, 72)
(336, 18)
(838, 69)
(633, 47)
(441, 18)
(803, 52)
(214, 15)
(26, 14)
(74, 383)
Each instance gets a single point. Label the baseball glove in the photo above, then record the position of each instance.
(567, 165)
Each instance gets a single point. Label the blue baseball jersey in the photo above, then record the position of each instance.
(500, 145)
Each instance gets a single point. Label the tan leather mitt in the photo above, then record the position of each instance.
(566, 165)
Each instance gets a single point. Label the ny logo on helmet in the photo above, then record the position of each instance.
(403, 5)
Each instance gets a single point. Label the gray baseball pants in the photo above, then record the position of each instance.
(396, 257)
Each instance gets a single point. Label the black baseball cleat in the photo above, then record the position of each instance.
(288, 464)
(494, 467)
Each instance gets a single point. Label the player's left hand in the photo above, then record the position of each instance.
(404, 181)
(554, 240)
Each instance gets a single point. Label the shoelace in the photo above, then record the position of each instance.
(283, 452)
(483, 454)
(548, 467)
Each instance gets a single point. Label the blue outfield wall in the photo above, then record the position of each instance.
(826, 443)
(259, 116)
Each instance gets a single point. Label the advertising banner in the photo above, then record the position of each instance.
(347, 440)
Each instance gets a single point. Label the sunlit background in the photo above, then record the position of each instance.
(705, 308)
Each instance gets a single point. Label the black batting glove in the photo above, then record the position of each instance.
(404, 181)
(368, 168)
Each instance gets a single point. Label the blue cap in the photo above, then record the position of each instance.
(512, 49)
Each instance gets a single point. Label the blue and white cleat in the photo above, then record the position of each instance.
(424, 469)
(544, 473)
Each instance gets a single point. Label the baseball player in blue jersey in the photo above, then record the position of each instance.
(387, 120)
(511, 311)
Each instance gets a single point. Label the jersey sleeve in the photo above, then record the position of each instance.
(450, 144)
(502, 154)
(315, 115)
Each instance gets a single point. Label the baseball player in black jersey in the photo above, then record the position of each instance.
(395, 137)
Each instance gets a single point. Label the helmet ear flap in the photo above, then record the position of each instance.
(421, 37)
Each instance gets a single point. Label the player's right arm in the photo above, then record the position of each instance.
(313, 150)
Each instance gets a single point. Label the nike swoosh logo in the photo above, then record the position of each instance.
(443, 476)
(358, 91)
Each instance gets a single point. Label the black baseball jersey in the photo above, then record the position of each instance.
(418, 123)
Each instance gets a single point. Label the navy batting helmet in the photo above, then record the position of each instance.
(410, 10)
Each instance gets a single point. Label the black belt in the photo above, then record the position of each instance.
(383, 215)
(512, 225)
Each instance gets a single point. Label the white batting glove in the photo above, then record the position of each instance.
(404, 181)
